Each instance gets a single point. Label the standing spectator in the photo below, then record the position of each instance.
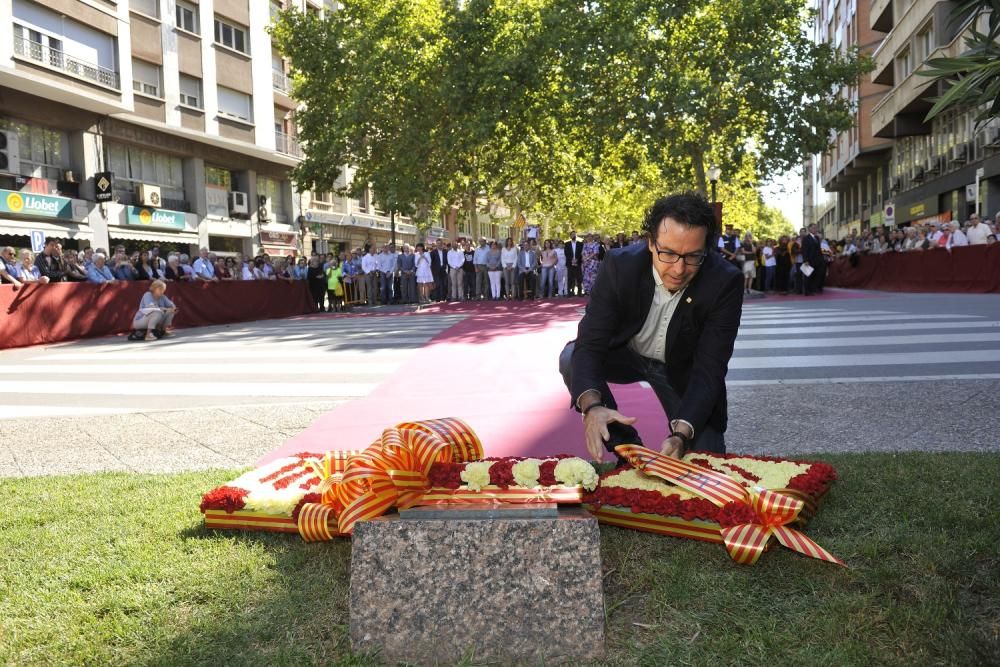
(48, 262)
(301, 267)
(957, 237)
(316, 279)
(729, 245)
(72, 269)
(482, 290)
(27, 271)
(527, 267)
(351, 270)
(749, 268)
(560, 251)
(591, 262)
(548, 262)
(935, 236)
(439, 268)
(813, 256)
(574, 265)
(795, 252)
(827, 256)
(144, 270)
(469, 271)
(456, 260)
(99, 272)
(782, 265)
(185, 263)
(425, 274)
(770, 264)
(494, 269)
(204, 267)
(508, 259)
(636, 238)
(156, 313)
(387, 271)
(620, 241)
(334, 285)
(370, 267)
(978, 230)
(281, 271)
(943, 237)
(8, 272)
(224, 269)
(406, 264)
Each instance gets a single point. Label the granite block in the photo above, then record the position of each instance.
(507, 590)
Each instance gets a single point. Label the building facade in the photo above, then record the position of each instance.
(157, 122)
(893, 168)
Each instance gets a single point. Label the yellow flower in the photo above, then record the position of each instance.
(526, 473)
(477, 475)
(575, 471)
(272, 503)
(772, 474)
(635, 479)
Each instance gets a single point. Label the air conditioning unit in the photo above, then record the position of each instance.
(918, 175)
(149, 195)
(264, 210)
(992, 137)
(238, 204)
(934, 165)
(10, 161)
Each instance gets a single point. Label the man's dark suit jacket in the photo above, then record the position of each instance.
(569, 252)
(439, 264)
(812, 252)
(700, 337)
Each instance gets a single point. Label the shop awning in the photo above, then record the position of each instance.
(150, 235)
(64, 230)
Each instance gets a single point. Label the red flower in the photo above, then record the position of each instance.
(229, 498)
(736, 514)
(502, 473)
(288, 479)
(280, 471)
(746, 474)
(546, 473)
(308, 498)
(815, 481)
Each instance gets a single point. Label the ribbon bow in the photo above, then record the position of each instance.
(391, 472)
(745, 542)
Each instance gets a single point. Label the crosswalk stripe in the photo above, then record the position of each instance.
(259, 366)
(879, 359)
(865, 341)
(849, 318)
(298, 388)
(861, 378)
(857, 328)
(765, 316)
(181, 355)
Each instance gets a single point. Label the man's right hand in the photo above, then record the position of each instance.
(595, 427)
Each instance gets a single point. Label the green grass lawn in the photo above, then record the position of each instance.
(117, 569)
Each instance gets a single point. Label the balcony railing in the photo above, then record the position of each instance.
(56, 59)
(286, 144)
(280, 81)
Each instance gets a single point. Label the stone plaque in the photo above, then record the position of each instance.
(516, 589)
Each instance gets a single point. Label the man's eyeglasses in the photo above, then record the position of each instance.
(671, 257)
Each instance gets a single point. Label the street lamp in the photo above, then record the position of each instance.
(713, 176)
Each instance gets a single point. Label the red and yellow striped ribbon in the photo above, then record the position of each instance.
(391, 472)
(745, 542)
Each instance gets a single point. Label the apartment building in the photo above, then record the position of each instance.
(155, 122)
(893, 167)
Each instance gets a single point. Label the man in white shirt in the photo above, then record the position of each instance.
(456, 259)
(978, 230)
(369, 266)
(387, 270)
(770, 264)
(204, 267)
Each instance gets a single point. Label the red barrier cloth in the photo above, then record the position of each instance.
(58, 312)
(964, 269)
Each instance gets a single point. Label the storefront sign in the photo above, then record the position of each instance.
(921, 209)
(934, 219)
(277, 238)
(44, 206)
(154, 217)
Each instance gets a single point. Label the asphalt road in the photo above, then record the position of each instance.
(879, 373)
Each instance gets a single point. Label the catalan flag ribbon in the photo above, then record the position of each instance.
(520, 221)
(745, 542)
(391, 472)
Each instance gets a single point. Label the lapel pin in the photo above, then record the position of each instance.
(689, 299)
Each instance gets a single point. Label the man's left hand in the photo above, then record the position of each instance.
(673, 447)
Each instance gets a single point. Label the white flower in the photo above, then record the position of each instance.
(574, 471)
(477, 475)
(526, 473)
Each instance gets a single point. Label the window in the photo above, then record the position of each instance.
(145, 78)
(218, 177)
(147, 7)
(904, 62)
(191, 92)
(275, 193)
(218, 183)
(132, 165)
(38, 46)
(275, 9)
(231, 36)
(235, 104)
(925, 42)
(187, 18)
(41, 149)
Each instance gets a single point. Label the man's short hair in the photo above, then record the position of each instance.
(690, 209)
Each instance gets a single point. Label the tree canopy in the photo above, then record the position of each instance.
(583, 110)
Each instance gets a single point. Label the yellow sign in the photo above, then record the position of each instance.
(917, 209)
(15, 203)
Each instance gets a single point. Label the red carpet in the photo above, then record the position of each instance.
(499, 371)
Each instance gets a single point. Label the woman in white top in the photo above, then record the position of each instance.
(561, 268)
(425, 279)
(508, 260)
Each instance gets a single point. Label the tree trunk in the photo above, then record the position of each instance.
(698, 161)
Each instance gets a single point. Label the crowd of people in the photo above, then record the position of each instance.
(464, 270)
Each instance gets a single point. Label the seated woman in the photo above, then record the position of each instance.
(26, 271)
(73, 269)
(222, 270)
(156, 313)
(147, 269)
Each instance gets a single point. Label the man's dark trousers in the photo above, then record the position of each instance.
(625, 366)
